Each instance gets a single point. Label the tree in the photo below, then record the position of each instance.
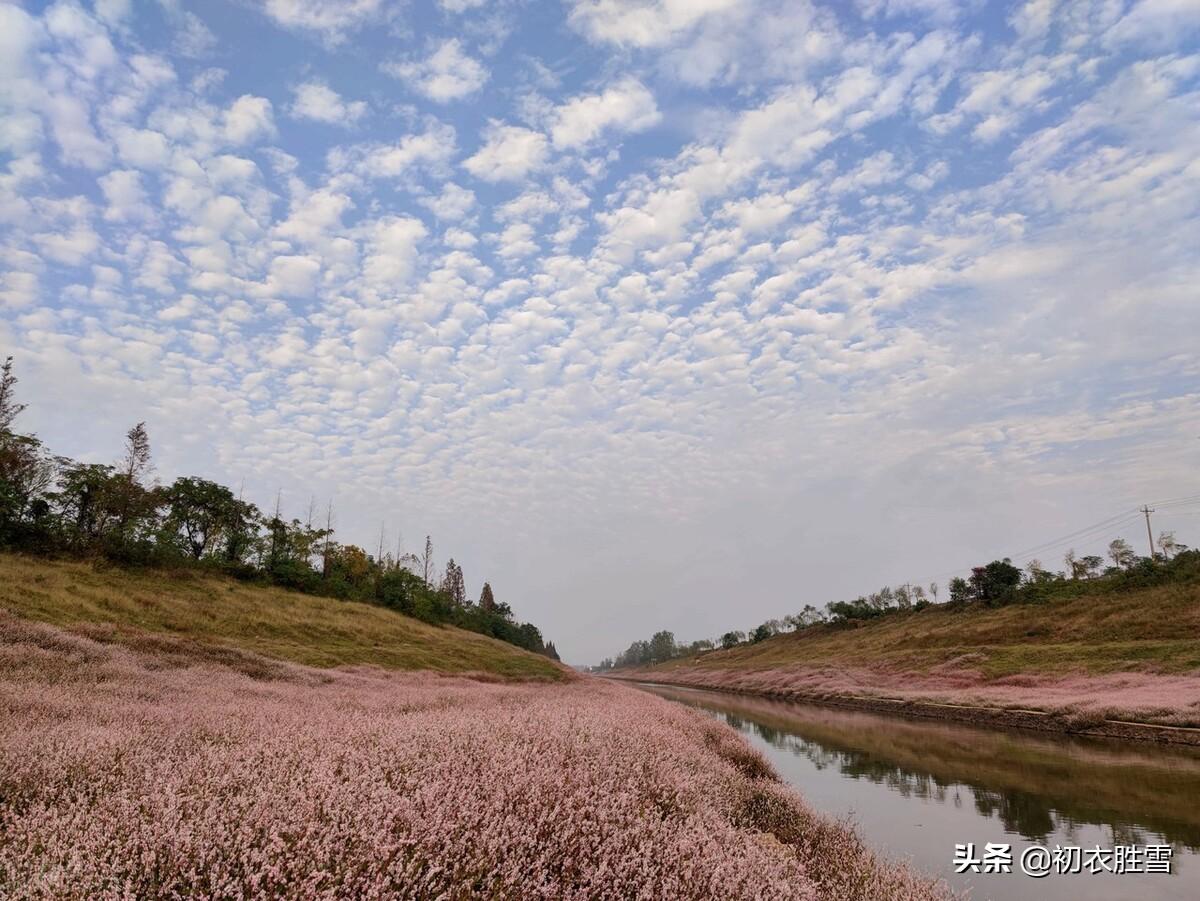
(762, 633)
(487, 601)
(427, 562)
(453, 585)
(1090, 565)
(200, 513)
(960, 590)
(732, 639)
(134, 502)
(1121, 553)
(551, 651)
(1168, 545)
(88, 502)
(933, 590)
(662, 646)
(996, 583)
(26, 471)
(1073, 568)
(9, 408)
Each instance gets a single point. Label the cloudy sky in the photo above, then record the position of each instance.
(656, 313)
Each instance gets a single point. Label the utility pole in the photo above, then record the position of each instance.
(1146, 509)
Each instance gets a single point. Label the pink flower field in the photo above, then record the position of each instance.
(171, 773)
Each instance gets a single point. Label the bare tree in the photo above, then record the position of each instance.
(1121, 553)
(427, 562)
(1168, 545)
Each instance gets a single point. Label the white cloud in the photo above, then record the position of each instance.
(126, 198)
(332, 19)
(446, 74)
(642, 23)
(454, 203)
(320, 103)
(460, 6)
(430, 150)
(248, 119)
(627, 106)
(509, 153)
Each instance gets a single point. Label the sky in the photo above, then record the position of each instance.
(656, 314)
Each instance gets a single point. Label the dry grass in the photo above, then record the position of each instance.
(1152, 630)
(190, 609)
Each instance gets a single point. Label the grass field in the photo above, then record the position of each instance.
(1148, 630)
(140, 607)
(1125, 655)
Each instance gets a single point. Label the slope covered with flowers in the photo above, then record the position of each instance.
(129, 773)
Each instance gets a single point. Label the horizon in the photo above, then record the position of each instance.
(653, 315)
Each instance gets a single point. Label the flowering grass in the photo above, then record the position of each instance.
(128, 773)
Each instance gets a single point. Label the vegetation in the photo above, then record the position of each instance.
(125, 775)
(995, 585)
(58, 507)
(192, 607)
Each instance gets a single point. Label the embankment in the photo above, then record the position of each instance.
(1123, 664)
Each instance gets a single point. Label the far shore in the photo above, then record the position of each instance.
(1102, 715)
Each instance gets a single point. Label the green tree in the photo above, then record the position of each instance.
(662, 646)
(26, 470)
(732, 639)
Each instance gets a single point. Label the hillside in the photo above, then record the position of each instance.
(1092, 651)
(142, 607)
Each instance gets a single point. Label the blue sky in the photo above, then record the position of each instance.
(656, 314)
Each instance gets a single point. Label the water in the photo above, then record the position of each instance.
(915, 788)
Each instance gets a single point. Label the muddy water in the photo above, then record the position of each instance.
(916, 788)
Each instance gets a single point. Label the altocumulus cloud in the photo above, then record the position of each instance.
(656, 314)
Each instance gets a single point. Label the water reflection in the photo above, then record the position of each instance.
(930, 778)
(848, 742)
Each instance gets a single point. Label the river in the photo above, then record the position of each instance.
(916, 788)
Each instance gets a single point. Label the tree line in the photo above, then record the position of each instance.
(54, 506)
(995, 584)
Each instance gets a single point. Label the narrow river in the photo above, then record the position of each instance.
(917, 788)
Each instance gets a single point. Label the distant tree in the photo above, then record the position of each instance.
(487, 601)
(1168, 545)
(1089, 566)
(1074, 570)
(195, 513)
(26, 470)
(662, 646)
(1121, 553)
(427, 562)
(996, 583)
(87, 502)
(933, 591)
(551, 651)
(453, 585)
(732, 639)
(762, 633)
(134, 502)
(9, 408)
(960, 591)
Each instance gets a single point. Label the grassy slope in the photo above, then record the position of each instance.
(1154, 629)
(271, 621)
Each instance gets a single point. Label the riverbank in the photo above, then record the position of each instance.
(1131, 706)
(125, 772)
